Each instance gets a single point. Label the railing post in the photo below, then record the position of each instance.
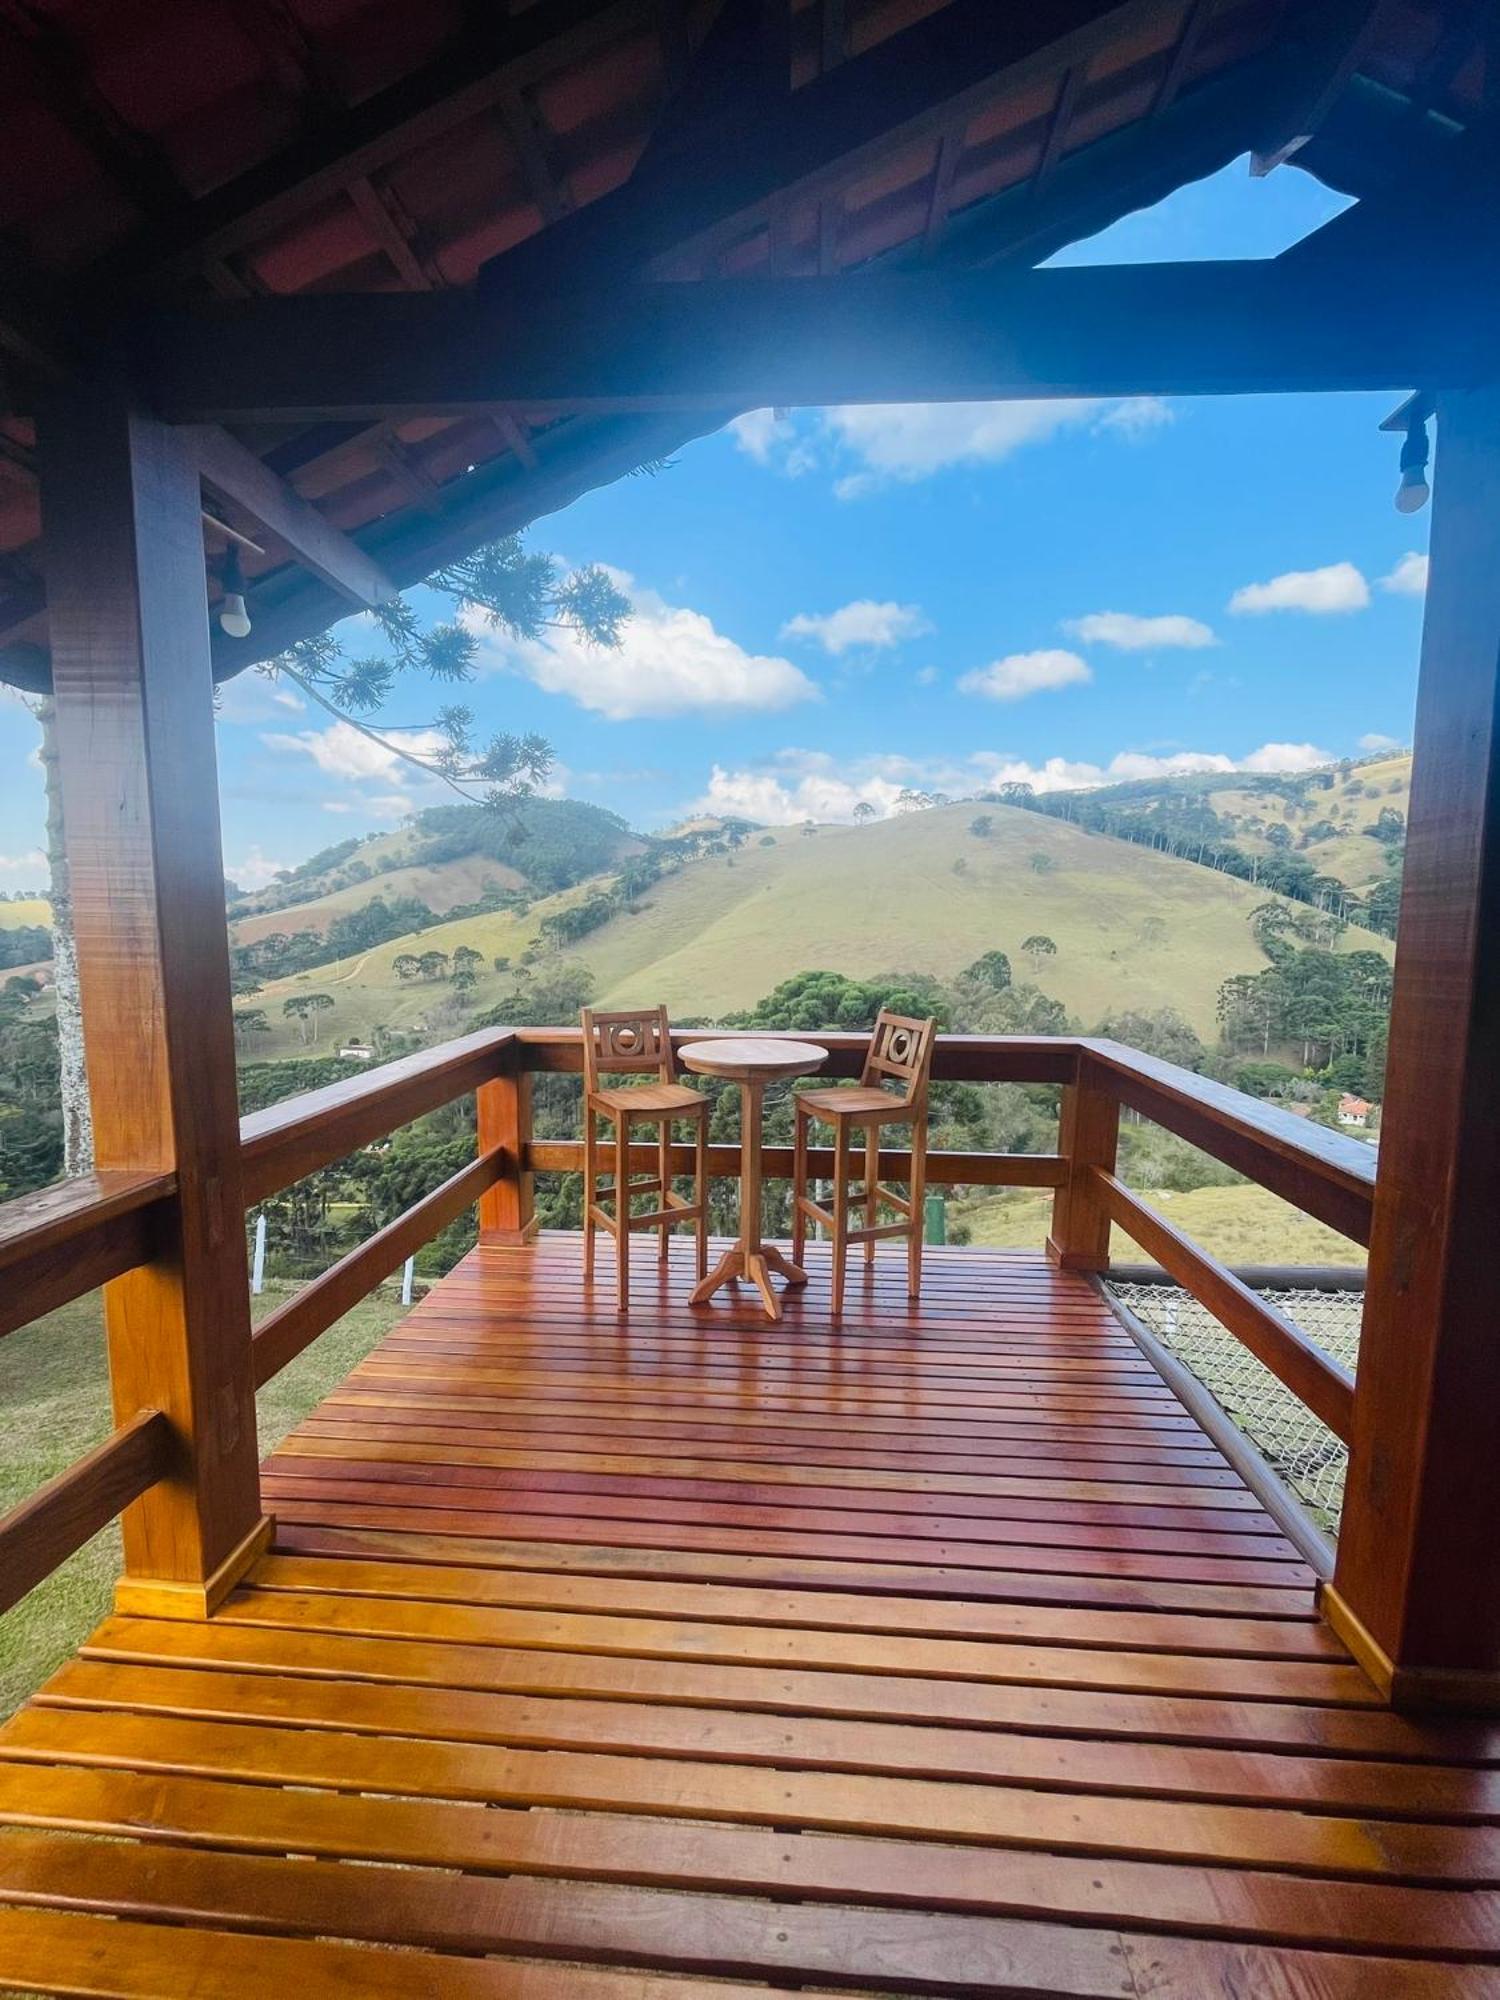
(507, 1210)
(134, 720)
(1416, 1592)
(1088, 1136)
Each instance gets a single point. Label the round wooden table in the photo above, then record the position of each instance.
(751, 1061)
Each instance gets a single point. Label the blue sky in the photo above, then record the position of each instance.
(831, 605)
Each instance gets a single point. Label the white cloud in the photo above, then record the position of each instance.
(671, 661)
(798, 785)
(890, 443)
(1136, 416)
(253, 870)
(342, 751)
(1132, 634)
(1337, 587)
(862, 623)
(1409, 577)
(1021, 674)
(910, 441)
(926, 676)
(32, 863)
(1374, 739)
(756, 433)
(1286, 757)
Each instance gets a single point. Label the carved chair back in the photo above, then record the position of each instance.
(636, 1041)
(901, 1051)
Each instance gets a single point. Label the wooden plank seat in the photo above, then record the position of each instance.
(942, 1654)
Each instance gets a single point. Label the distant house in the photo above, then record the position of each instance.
(1353, 1110)
(362, 1052)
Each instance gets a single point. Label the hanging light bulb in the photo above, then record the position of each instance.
(1412, 494)
(234, 619)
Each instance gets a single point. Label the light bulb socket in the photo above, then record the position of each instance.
(234, 619)
(1412, 493)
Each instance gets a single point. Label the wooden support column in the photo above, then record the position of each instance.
(1088, 1137)
(1416, 1593)
(507, 1210)
(130, 649)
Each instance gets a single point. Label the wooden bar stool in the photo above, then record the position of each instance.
(900, 1049)
(636, 1042)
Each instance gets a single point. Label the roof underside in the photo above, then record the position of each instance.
(178, 150)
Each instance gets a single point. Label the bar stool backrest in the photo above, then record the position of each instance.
(635, 1041)
(901, 1049)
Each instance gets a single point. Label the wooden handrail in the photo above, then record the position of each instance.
(1040, 1170)
(956, 1058)
(282, 1337)
(296, 1137)
(1324, 1173)
(1299, 1363)
(55, 1521)
(63, 1241)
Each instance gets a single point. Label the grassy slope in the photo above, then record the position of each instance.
(54, 1406)
(1351, 856)
(440, 885)
(1239, 1225)
(32, 910)
(885, 897)
(859, 900)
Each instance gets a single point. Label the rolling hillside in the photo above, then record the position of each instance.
(1133, 928)
(1352, 803)
(25, 910)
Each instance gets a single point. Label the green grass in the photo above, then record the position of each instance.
(29, 910)
(1133, 928)
(1354, 803)
(54, 1407)
(1238, 1225)
(439, 884)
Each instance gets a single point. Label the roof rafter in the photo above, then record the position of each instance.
(810, 143)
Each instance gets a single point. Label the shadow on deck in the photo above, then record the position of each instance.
(939, 1652)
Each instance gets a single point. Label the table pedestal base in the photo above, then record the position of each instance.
(754, 1263)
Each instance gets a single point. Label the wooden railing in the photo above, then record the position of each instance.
(59, 1244)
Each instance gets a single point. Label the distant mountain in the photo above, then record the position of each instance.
(447, 858)
(927, 891)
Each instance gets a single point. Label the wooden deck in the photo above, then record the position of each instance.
(938, 1653)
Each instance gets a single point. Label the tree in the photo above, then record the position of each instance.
(1163, 1033)
(1041, 862)
(304, 1009)
(516, 591)
(991, 972)
(406, 965)
(1389, 827)
(433, 965)
(982, 825)
(1037, 947)
(466, 959)
(863, 812)
(249, 1022)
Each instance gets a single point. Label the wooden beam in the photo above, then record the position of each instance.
(1342, 36)
(237, 475)
(134, 719)
(1417, 1588)
(1144, 329)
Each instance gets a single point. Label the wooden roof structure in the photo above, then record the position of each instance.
(401, 169)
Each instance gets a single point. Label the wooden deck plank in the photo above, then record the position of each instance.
(945, 1655)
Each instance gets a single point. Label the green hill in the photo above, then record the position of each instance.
(24, 911)
(1133, 928)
